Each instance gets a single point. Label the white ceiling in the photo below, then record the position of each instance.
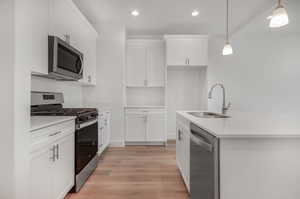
(159, 17)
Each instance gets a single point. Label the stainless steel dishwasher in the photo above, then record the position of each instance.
(204, 164)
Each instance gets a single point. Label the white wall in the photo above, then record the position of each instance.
(145, 97)
(263, 73)
(186, 90)
(72, 90)
(7, 99)
(110, 77)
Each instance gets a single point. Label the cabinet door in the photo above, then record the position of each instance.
(64, 167)
(136, 65)
(107, 129)
(186, 151)
(180, 149)
(100, 131)
(87, 43)
(189, 51)
(177, 52)
(89, 73)
(61, 15)
(38, 29)
(40, 174)
(156, 66)
(156, 127)
(196, 50)
(136, 127)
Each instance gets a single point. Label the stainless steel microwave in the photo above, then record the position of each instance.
(65, 62)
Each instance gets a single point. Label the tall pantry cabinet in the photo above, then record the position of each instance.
(145, 86)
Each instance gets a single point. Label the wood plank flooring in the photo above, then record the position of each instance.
(135, 172)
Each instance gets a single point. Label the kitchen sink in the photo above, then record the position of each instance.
(208, 115)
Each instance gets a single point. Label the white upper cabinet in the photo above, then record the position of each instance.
(136, 65)
(156, 65)
(187, 50)
(63, 19)
(67, 20)
(145, 63)
(37, 26)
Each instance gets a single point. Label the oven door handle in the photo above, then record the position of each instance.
(89, 123)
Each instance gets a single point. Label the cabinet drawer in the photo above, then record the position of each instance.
(45, 136)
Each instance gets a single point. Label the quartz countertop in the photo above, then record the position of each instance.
(146, 107)
(244, 124)
(38, 122)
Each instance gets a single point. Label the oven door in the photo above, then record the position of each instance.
(64, 60)
(86, 144)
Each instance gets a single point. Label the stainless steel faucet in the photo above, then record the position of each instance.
(224, 106)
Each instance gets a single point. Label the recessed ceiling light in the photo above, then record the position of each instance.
(135, 13)
(195, 13)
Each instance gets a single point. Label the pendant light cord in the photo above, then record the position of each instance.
(227, 21)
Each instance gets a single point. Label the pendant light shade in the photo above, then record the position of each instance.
(227, 50)
(279, 17)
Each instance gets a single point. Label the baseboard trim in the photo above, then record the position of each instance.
(172, 136)
(145, 143)
(116, 144)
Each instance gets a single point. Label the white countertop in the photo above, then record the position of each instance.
(145, 107)
(38, 122)
(242, 124)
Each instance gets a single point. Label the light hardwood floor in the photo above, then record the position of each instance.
(135, 172)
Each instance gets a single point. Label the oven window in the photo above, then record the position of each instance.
(68, 60)
(86, 148)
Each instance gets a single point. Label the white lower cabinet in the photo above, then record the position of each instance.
(145, 127)
(156, 126)
(63, 167)
(103, 131)
(183, 152)
(52, 163)
(136, 123)
(40, 174)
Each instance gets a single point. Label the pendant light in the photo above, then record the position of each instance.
(279, 17)
(227, 50)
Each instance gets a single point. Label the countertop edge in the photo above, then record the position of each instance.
(51, 123)
(235, 136)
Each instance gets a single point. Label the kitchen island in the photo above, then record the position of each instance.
(252, 157)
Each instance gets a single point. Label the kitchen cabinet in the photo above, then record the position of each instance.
(90, 59)
(136, 127)
(104, 131)
(37, 26)
(155, 126)
(145, 63)
(187, 50)
(63, 19)
(145, 127)
(52, 161)
(136, 65)
(183, 152)
(40, 174)
(156, 65)
(63, 167)
(69, 22)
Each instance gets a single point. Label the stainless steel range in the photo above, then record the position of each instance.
(86, 135)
